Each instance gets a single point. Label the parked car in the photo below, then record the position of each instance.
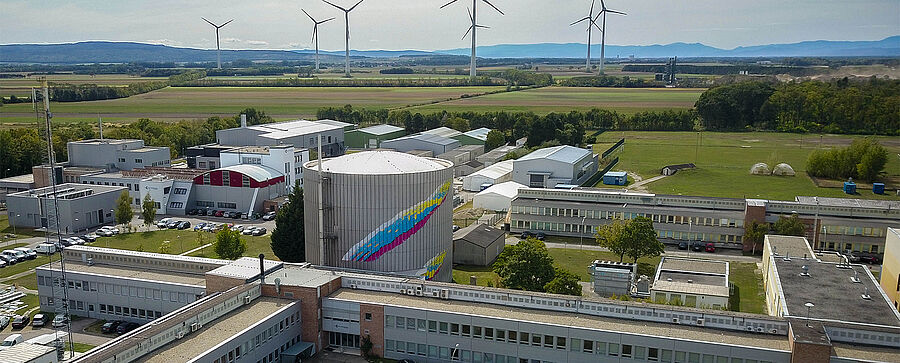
(710, 247)
(540, 235)
(697, 247)
(4, 321)
(248, 231)
(192, 212)
(77, 240)
(869, 259)
(201, 212)
(59, 321)
(39, 320)
(45, 248)
(682, 245)
(236, 215)
(8, 259)
(259, 231)
(126, 327)
(455, 228)
(89, 237)
(111, 326)
(163, 222)
(2, 265)
(28, 252)
(104, 232)
(269, 216)
(526, 235)
(851, 256)
(172, 224)
(111, 229)
(11, 340)
(220, 213)
(199, 226)
(18, 255)
(183, 225)
(20, 321)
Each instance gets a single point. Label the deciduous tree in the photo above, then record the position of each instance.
(525, 266)
(564, 282)
(148, 210)
(229, 244)
(790, 226)
(124, 213)
(755, 233)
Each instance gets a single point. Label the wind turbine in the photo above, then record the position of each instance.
(347, 29)
(472, 28)
(592, 21)
(315, 35)
(604, 10)
(218, 54)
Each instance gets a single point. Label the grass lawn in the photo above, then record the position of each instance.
(28, 281)
(31, 301)
(181, 241)
(176, 103)
(483, 274)
(5, 229)
(81, 347)
(565, 99)
(749, 296)
(27, 265)
(724, 159)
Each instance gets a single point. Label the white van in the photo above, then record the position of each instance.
(27, 251)
(46, 248)
(162, 223)
(10, 341)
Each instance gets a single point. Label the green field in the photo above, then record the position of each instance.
(181, 241)
(724, 159)
(22, 86)
(176, 103)
(565, 99)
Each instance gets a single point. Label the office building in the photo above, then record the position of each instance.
(386, 212)
(76, 207)
(301, 134)
(286, 159)
(14, 184)
(547, 167)
(890, 266)
(372, 136)
(205, 157)
(112, 154)
(691, 282)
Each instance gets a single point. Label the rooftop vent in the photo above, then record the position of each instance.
(787, 257)
(805, 272)
(690, 281)
(855, 279)
(669, 279)
(866, 295)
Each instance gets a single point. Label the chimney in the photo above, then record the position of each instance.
(262, 269)
(243, 120)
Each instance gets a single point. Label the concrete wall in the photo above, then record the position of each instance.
(117, 154)
(250, 137)
(131, 184)
(74, 214)
(890, 267)
(467, 253)
(362, 140)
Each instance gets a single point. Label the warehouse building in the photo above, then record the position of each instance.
(435, 144)
(15, 184)
(497, 197)
(301, 134)
(442, 131)
(547, 167)
(890, 266)
(474, 137)
(691, 282)
(478, 245)
(112, 154)
(372, 136)
(79, 207)
(493, 174)
(237, 188)
(386, 212)
(496, 155)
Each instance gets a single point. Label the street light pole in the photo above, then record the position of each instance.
(581, 242)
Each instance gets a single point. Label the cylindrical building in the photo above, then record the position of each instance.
(381, 211)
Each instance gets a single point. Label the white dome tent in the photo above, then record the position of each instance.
(783, 169)
(760, 169)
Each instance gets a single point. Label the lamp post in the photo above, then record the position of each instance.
(15, 235)
(808, 306)
(581, 241)
(76, 225)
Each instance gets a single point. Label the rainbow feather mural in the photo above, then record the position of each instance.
(398, 229)
(433, 266)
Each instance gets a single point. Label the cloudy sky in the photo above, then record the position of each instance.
(421, 24)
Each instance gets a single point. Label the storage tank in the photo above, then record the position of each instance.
(382, 211)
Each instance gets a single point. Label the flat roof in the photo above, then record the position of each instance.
(25, 352)
(216, 332)
(24, 179)
(691, 283)
(694, 265)
(245, 268)
(379, 163)
(103, 141)
(614, 325)
(142, 273)
(147, 149)
(430, 138)
(790, 246)
(866, 352)
(381, 129)
(442, 131)
(302, 275)
(479, 133)
(850, 203)
(562, 153)
(835, 296)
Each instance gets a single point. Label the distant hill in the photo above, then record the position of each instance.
(123, 52)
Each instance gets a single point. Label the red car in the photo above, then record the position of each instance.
(710, 247)
(220, 213)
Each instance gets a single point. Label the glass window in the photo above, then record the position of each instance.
(613, 349)
(432, 326)
(443, 328)
(560, 343)
(420, 324)
(523, 337)
(626, 351)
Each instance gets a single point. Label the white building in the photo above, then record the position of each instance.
(547, 167)
(301, 134)
(494, 174)
(497, 197)
(283, 158)
(691, 282)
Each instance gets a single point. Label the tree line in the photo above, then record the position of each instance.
(864, 159)
(844, 106)
(724, 69)
(609, 81)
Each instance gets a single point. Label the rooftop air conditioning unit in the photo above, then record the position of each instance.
(353, 286)
(179, 335)
(700, 321)
(445, 293)
(247, 300)
(194, 327)
(749, 328)
(675, 320)
(410, 292)
(418, 292)
(760, 329)
(435, 293)
(773, 331)
(402, 291)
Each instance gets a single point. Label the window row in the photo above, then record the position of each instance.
(605, 214)
(132, 312)
(242, 349)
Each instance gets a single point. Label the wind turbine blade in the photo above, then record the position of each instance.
(315, 32)
(615, 12)
(354, 6)
(602, 5)
(329, 3)
(307, 14)
(492, 5)
(592, 7)
(226, 23)
(472, 18)
(467, 32)
(482, 26)
(445, 5)
(597, 26)
(210, 23)
(329, 19)
(580, 20)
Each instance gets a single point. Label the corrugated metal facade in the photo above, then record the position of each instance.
(383, 222)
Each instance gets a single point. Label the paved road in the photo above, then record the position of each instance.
(78, 335)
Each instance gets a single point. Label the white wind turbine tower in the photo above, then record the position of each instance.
(592, 21)
(315, 35)
(347, 30)
(472, 28)
(218, 51)
(604, 10)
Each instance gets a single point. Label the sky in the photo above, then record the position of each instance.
(422, 25)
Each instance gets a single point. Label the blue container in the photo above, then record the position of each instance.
(878, 188)
(615, 178)
(850, 187)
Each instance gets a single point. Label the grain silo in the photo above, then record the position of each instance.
(381, 211)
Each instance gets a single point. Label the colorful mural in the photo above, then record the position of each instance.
(398, 229)
(433, 266)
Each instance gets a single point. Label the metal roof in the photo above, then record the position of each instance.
(381, 129)
(245, 268)
(434, 139)
(442, 131)
(508, 189)
(257, 172)
(281, 130)
(562, 153)
(495, 170)
(850, 203)
(479, 234)
(25, 352)
(480, 133)
(379, 162)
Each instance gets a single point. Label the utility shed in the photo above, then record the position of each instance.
(615, 178)
(478, 245)
(372, 136)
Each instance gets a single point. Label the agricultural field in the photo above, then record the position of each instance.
(22, 86)
(724, 159)
(565, 99)
(176, 103)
